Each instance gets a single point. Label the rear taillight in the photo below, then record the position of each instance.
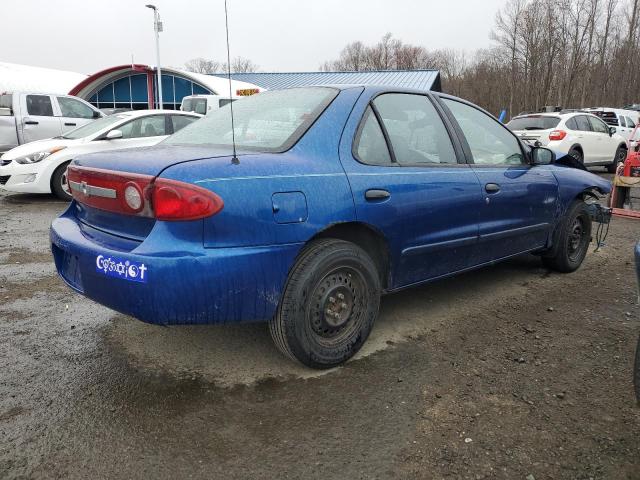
(557, 135)
(173, 200)
(141, 195)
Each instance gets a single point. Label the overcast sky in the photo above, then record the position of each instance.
(278, 35)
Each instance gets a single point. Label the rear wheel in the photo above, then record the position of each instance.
(329, 304)
(621, 155)
(59, 183)
(577, 154)
(571, 240)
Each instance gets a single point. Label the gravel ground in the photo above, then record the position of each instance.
(510, 372)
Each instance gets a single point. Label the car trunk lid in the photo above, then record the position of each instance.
(92, 195)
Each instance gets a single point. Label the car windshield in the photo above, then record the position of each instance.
(267, 122)
(94, 127)
(533, 122)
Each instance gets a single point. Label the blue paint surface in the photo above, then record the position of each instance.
(232, 267)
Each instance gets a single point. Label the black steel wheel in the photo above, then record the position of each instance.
(329, 304)
(570, 240)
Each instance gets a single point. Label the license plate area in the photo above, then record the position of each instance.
(69, 267)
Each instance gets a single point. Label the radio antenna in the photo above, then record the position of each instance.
(234, 159)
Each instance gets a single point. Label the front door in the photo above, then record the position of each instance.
(606, 145)
(38, 120)
(74, 113)
(520, 200)
(409, 182)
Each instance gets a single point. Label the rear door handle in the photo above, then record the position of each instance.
(492, 187)
(67, 124)
(376, 194)
(31, 122)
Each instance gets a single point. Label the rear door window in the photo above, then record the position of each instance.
(583, 123)
(630, 123)
(39, 105)
(571, 124)
(415, 129)
(151, 126)
(180, 121)
(370, 146)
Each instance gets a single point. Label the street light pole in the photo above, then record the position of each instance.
(157, 27)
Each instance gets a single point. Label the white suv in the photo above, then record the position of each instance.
(582, 135)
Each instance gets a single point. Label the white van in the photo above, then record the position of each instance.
(204, 104)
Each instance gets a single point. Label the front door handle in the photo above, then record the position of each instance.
(492, 188)
(30, 122)
(376, 194)
(69, 124)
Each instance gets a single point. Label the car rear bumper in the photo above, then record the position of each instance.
(201, 286)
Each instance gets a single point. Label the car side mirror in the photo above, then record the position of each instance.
(612, 130)
(113, 134)
(96, 114)
(542, 156)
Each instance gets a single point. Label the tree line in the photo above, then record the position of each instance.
(208, 66)
(569, 53)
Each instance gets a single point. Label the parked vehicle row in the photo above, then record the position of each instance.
(40, 166)
(584, 136)
(26, 117)
(329, 197)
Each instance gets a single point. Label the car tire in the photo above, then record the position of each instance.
(577, 154)
(329, 304)
(59, 183)
(570, 240)
(621, 155)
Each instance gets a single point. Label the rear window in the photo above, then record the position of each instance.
(609, 117)
(198, 105)
(6, 100)
(533, 122)
(268, 122)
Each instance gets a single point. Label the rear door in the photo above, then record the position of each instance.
(74, 113)
(519, 200)
(589, 140)
(38, 119)
(409, 181)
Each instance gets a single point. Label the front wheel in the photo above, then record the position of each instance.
(329, 304)
(59, 183)
(570, 240)
(621, 155)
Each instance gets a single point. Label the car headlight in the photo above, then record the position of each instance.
(38, 156)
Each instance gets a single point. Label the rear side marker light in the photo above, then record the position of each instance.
(557, 135)
(141, 195)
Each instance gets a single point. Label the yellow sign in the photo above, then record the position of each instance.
(245, 92)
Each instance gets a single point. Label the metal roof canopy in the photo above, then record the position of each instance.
(415, 79)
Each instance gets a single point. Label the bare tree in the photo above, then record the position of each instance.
(573, 53)
(202, 65)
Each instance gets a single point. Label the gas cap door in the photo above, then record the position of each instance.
(289, 207)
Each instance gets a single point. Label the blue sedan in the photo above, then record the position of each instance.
(330, 197)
